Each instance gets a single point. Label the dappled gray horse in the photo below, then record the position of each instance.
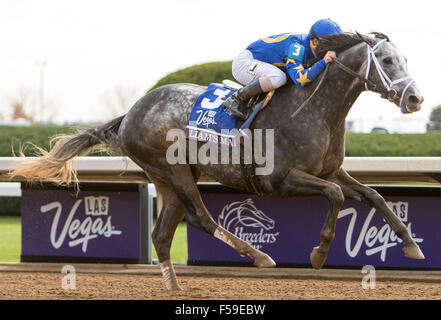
(308, 152)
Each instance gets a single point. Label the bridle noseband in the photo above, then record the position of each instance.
(387, 91)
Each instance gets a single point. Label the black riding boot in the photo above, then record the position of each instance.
(240, 96)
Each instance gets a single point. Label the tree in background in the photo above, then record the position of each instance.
(435, 119)
(23, 104)
(20, 114)
(119, 100)
(202, 74)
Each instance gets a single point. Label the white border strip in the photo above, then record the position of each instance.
(404, 165)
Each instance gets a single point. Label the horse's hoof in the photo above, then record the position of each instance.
(264, 261)
(317, 260)
(174, 287)
(413, 252)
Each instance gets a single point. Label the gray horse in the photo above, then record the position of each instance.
(308, 152)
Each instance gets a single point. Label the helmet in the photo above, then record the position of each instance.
(324, 27)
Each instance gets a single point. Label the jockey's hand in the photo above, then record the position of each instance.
(330, 56)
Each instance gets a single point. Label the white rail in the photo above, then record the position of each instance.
(364, 169)
(10, 189)
(393, 164)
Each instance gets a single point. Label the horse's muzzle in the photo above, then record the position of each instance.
(412, 103)
(412, 100)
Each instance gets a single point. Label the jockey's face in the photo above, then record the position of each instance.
(313, 44)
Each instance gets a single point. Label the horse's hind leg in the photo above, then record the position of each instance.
(300, 183)
(171, 214)
(357, 191)
(198, 216)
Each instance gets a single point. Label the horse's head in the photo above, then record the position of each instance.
(387, 68)
(379, 64)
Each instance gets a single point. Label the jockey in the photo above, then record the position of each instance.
(257, 65)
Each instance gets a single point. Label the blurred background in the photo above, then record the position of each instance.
(83, 62)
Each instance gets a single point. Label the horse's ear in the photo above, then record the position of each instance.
(366, 39)
(362, 38)
(380, 35)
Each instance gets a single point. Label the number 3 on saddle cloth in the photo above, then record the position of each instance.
(210, 122)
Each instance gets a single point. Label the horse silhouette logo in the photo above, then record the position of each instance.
(245, 214)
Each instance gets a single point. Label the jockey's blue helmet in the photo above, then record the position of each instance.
(324, 27)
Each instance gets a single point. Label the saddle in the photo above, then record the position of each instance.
(253, 105)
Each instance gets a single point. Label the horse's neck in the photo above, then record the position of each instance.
(341, 90)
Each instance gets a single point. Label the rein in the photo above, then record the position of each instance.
(312, 94)
(355, 74)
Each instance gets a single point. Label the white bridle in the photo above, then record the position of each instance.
(388, 84)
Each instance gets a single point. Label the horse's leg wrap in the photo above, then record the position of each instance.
(261, 260)
(169, 275)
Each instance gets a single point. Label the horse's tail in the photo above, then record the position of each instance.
(56, 165)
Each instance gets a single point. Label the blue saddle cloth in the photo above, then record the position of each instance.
(209, 121)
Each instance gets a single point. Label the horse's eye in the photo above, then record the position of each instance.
(387, 60)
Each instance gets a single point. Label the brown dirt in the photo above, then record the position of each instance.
(28, 285)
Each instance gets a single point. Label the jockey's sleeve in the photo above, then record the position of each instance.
(294, 66)
(302, 76)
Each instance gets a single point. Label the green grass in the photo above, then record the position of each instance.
(357, 144)
(10, 241)
(178, 252)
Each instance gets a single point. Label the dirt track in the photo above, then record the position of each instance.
(38, 285)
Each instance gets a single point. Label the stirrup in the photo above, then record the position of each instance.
(234, 109)
(238, 114)
(232, 104)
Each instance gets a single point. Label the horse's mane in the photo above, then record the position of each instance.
(342, 42)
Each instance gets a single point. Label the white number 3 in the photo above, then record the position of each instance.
(296, 51)
(207, 104)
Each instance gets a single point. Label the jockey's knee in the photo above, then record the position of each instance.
(272, 81)
(266, 84)
(278, 80)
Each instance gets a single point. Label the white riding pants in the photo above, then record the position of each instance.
(246, 69)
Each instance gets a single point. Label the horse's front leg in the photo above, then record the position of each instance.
(355, 190)
(300, 183)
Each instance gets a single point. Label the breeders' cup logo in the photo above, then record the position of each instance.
(97, 222)
(377, 240)
(240, 217)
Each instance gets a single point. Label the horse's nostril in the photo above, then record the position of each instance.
(414, 100)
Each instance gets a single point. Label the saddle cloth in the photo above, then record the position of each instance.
(209, 121)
